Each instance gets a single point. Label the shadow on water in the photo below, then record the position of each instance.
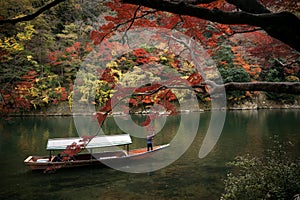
(187, 178)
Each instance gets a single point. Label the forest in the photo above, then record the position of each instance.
(254, 45)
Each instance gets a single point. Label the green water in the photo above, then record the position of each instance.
(189, 177)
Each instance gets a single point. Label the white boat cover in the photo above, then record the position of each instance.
(96, 142)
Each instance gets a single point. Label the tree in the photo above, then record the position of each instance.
(284, 26)
(210, 34)
(50, 45)
(30, 17)
(212, 23)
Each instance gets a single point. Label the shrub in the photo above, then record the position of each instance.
(235, 75)
(277, 75)
(275, 176)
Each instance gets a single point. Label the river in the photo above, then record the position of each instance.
(189, 177)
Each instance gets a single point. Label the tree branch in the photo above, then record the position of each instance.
(250, 6)
(278, 87)
(194, 2)
(283, 26)
(33, 15)
(244, 31)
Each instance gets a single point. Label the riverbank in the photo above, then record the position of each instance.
(262, 102)
(258, 102)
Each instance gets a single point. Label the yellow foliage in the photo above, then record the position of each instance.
(70, 100)
(17, 43)
(45, 99)
(11, 44)
(34, 92)
(163, 58)
(27, 34)
(112, 64)
(116, 72)
(29, 58)
(292, 78)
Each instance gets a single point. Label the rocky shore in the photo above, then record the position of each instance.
(259, 102)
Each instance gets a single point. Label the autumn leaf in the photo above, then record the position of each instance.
(147, 121)
(194, 79)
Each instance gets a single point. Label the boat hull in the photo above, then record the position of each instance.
(122, 157)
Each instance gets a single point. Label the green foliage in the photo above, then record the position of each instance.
(274, 176)
(69, 34)
(15, 59)
(138, 77)
(276, 74)
(234, 75)
(13, 8)
(13, 45)
(280, 97)
(231, 70)
(272, 75)
(224, 56)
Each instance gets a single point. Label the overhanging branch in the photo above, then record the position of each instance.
(278, 87)
(33, 15)
(283, 26)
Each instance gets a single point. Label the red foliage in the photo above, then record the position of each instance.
(14, 95)
(139, 52)
(71, 150)
(147, 100)
(171, 108)
(108, 76)
(194, 79)
(69, 54)
(148, 88)
(147, 121)
(292, 69)
(143, 61)
(97, 36)
(63, 95)
(199, 29)
(108, 107)
(101, 117)
(133, 101)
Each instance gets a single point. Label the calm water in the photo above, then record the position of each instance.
(187, 178)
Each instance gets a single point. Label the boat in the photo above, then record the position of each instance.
(122, 155)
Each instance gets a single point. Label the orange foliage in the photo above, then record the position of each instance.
(253, 70)
(194, 79)
(216, 4)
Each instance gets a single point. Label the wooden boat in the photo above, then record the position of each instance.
(86, 159)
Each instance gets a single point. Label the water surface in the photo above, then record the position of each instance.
(187, 178)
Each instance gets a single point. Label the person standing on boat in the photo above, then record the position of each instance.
(57, 158)
(149, 142)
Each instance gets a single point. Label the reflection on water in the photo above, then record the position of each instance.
(189, 177)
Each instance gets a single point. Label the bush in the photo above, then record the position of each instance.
(234, 75)
(277, 75)
(274, 176)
